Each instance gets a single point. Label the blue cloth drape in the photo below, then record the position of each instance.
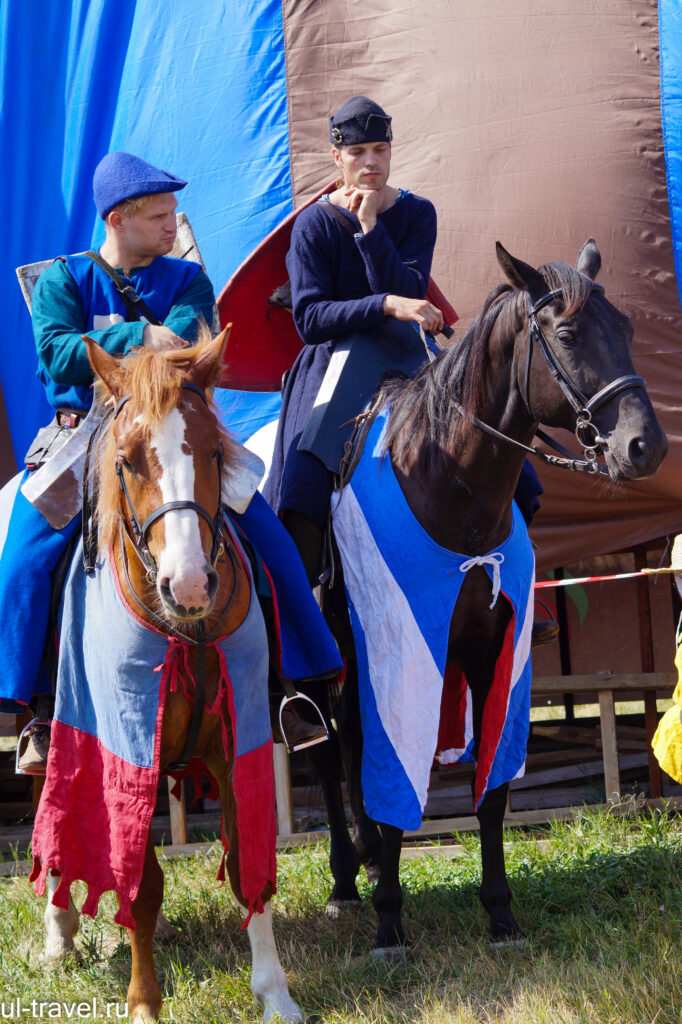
(199, 89)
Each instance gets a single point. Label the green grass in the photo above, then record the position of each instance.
(600, 901)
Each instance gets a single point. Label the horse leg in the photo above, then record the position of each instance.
(144, 994)
(390, 943)
(366, 834)
(60, 925)
(268, 980)
(495, 893)
(343, 859)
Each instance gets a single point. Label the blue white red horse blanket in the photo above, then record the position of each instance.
(103, 767)
(402, 588)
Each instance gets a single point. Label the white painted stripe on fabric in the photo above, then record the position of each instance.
(522, 648)
(332, 373)
(405, 679)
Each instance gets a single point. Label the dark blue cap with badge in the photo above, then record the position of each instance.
(359, 120)
(121, 176)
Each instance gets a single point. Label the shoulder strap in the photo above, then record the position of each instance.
(135, 306)
(336, 213)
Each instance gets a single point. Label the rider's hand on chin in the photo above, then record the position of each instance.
(365, 203)
(158, 337)
(421, 311)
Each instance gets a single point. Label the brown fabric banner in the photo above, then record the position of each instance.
(538, 124)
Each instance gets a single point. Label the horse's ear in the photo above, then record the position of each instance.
(106, 367)
(520, 274)
(208, 365)
(589, 259)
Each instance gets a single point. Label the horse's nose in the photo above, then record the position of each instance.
(189, 596)
(647, 451)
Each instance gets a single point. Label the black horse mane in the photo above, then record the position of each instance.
(422, 415)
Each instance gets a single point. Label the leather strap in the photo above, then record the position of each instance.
(135, 306)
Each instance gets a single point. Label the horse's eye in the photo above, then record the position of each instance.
(123, 462)
(566, 337)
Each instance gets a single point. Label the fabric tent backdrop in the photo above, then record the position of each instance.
(540, 124)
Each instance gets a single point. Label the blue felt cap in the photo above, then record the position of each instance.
(121, 176)
(359, 120)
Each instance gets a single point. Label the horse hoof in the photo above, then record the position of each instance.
(164, 931)
(61, 956)
(373, 871)
(337, 909)
(392, 955)
(143, 1014)
(510, 942)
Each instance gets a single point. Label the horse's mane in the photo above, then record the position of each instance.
(154, 383)
(422, 416)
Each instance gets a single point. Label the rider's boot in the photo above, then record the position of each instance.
(34, 742)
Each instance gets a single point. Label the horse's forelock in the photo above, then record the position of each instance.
(576, 287)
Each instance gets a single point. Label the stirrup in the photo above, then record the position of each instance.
(29, 729)
(302, 744)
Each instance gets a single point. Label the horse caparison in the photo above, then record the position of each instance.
(164, 416)
(459, 483)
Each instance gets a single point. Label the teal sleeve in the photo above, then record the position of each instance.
(194, 305)
(59, 322)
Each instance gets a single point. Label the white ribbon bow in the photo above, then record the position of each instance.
(496, 560)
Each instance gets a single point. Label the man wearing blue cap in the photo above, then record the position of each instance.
(77, 295)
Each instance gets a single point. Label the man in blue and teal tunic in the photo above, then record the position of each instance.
(75, 296)
(72, 297)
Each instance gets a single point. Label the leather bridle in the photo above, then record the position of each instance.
(137, 531)
(583, 406)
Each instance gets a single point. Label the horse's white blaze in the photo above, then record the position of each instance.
(268, 980)
(60, 925)
(182, 561)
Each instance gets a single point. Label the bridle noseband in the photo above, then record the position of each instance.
(583, 407)
(138, 537)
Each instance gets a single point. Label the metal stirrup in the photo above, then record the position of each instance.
(292, 748)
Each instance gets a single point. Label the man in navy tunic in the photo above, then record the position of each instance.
(360, 260)
(360, 256)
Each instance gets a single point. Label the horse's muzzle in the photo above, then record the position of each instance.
(186, 601)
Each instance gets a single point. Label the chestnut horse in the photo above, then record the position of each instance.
(548, 347)
(162, 462)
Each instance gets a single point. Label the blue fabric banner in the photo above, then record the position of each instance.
(670, 35)
(198, 89)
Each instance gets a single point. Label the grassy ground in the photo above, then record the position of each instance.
(601, 903)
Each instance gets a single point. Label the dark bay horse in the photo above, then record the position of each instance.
(162, 463)
(548, 348)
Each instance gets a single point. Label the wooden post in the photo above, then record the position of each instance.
(646, 648)
(564, 643)
(607, 716)
(178, 817)
(285, 807)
